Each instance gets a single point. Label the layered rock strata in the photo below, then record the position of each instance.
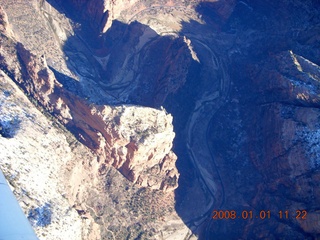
(69, 190)
(240, 78)
(265, 138)
(62, 188)
(135, 140)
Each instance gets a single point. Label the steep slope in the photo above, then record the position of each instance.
(63, 189)
(124, 136)
(241, 80)
(265, 138)
(69, 190)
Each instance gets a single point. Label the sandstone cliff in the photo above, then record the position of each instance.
(275, 148)
(241, 80)
(69, 190)
(61, 186)
(267, 150)
(132, 139)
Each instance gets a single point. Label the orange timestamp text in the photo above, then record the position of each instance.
(262, 214)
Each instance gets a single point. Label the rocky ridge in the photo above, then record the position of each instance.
(132, 139)
(275, 148)
(239, 77)
(61, 186)
(67, 190)
(267, 149)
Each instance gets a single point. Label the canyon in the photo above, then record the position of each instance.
(138, 119)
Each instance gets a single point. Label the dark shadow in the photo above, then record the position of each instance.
(68, 83)
(157, 77)
(149, 75)
(9, 128)
(88, 26)
(246, 186)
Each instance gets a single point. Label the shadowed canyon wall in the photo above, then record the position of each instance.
(240, 80)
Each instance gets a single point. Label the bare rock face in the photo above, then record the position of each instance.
(99, 14)
(132, 139)
(3, 20)
(240, 78)
(265, 142)
(40, 79)
(55, 177)
(63, 188)
(274, 108)
(136, 138)
(288, 138)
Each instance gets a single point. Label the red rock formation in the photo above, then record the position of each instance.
(284, 146)
(275, 150)
(132, 139)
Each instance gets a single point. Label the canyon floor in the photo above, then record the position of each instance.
(158, 119)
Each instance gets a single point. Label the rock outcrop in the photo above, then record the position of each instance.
(3, 20)
(283, 146)
(69, 190)
(135, 140)
(61, 186)
(99, 15)
(241, 80)
(265, 137)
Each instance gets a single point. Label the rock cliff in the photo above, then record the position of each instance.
(132, 139)
(267, 149)
(273, 156)
(63, 188)
(240, 80)
(54, 176)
